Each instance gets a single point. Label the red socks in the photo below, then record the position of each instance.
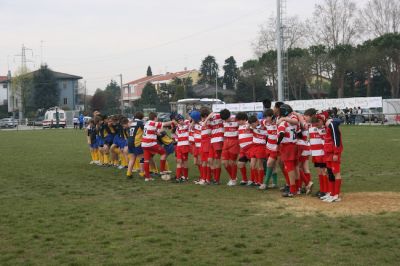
(243, 171)
(338, 184)
(307, 178)
(178, 173)
(260, 176)
(146, 169)
(185, 172)
(162, 165)
(285, 173)
(217, 174)
(331, 187)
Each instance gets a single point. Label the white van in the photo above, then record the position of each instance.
(50, 118)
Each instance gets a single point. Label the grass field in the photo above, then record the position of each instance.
(56, 209)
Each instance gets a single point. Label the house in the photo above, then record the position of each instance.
(318, 86)
(4, 84)
(69, 90)
(133, 90)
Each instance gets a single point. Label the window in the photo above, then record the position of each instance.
(65, 101)
(61, 115)
(76, 84)
(64, 84)
(5, 85)
(16, 102)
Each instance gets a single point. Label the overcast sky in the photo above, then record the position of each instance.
(99, 39)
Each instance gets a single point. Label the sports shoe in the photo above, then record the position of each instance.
(215, 182)
(148, 179)
(327, 195)
(202, 182)
(262, 187)
(287, 195)
(196, 182)
(121, 167)
(249, 183)
(92, 162)
(319, 194)
(309, 188)
(273, 186)
(285, 188)
(332, 199)
(129, 176)
(243, 183)
(141, 174)
(231, 183)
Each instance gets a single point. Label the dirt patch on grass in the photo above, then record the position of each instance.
(361, 203)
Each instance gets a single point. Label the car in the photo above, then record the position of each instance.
(9, 122)
(372, 115)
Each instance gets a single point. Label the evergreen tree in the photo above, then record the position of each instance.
(46, 93)
(208, 70)
(149, 96)
(149, 72)
(231, 73)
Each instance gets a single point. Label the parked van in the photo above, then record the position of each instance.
(50, 118)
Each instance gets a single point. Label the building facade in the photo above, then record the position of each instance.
(133, 90)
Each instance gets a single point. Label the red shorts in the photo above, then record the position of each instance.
(196, 151)
(215, 150)
(290, 165)
(204, 156)
(181, 152)
(333, 165)
(288, 152)
(230, 149)
(245, 154)
(148, 152)
(318, 159)
(205, 146)
(257, 151)
(271, 154)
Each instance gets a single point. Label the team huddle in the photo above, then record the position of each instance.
(277, 138)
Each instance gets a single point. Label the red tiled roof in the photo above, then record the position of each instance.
(143, 80)
(158, 78)
(3, 78)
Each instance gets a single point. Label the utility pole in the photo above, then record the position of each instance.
(122, 94)
(84, 97)
(216, 84)
(279, 49)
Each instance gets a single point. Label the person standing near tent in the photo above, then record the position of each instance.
(81, 121)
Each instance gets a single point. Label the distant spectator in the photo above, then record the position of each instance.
(81, 121)
(75, 120)
(359, 111)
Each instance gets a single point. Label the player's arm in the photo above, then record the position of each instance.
(281, 132)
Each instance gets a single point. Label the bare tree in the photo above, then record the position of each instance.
(335, 22)
(379, 17)
(295, 31)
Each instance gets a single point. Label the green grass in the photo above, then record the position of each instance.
(56, 209)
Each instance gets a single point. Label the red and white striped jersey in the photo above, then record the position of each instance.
(322, 133)
(303, 141)
(245, 136)
(260, 135)
(217, 128)
(191, 134)
(182, 134)
(151, 129)
(272, 141)
(197, 134)
(289, 132)
(231, 127)
(205, 131)
(316, 141)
